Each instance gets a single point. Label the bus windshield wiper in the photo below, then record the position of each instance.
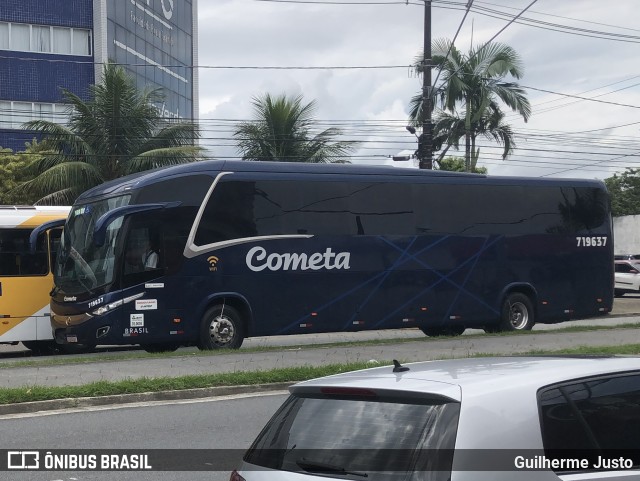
(323, 468)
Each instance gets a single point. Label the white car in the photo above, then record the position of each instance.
(481, 419)
(627, 275)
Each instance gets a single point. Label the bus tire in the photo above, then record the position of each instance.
(163, 347)
(517, 313)
(618, 293)
(221, 328)
(443, 331)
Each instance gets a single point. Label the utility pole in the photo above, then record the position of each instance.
(425, 145)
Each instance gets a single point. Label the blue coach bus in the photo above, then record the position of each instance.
(244, 249)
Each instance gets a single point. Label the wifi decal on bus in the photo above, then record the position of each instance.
(213, 261)
(258, 260)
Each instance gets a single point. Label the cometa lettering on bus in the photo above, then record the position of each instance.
(258, 260)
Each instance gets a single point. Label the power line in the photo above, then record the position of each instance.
(581, 98)
(469, 3)
(554, 27)
(557, 107)
(216, 67)
(484, 45)
(563, 17)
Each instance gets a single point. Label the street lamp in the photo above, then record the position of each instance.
(403, 156)
(417, 154)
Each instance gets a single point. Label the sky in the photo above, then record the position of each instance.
(587, 49)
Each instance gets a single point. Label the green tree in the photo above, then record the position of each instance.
(13, 173)
(624, 190)
(114, 133)
(456, 164)
(473, 87)
(281, 131)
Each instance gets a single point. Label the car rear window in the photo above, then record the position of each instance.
(598, 416)
(385, 438)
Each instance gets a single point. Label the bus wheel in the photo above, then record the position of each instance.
(164, 347)
(443, 331)
(41, 347)
(221, 328)
(618, 293)
(517, 313)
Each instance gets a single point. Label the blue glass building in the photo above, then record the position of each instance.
(46, 46)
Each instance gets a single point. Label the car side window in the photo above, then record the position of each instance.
(625, 268)
(591, 416)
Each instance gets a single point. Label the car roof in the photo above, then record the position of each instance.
(449, 378)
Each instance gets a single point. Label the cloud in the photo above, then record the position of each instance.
(371, 105)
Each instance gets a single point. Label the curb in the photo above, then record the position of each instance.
(83, 402)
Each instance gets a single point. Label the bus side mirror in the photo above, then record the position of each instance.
(100, 229)
(33, 238)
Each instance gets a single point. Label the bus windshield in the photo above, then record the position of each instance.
(83, 266)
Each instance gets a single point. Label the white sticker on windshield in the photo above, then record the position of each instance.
(146, 304)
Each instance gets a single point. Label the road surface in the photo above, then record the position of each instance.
(417, 348)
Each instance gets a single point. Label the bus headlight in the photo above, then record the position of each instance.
(109, 307)
(113, 305)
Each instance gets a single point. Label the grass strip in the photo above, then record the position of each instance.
(145, 384)
(623, 350)
(289, 374)
(128, 356)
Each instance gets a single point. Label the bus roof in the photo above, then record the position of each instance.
(213, 167)
(30, 216)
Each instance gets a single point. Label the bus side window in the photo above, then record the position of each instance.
(54, 245)
(8, 254)
(229, 214)
(8, 265)
(15, 257)
(34, 264)
(143, 254)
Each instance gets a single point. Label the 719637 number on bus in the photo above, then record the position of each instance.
(594, 241)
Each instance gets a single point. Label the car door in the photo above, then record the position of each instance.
(627, 277)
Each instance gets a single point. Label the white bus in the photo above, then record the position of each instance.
(26, 278)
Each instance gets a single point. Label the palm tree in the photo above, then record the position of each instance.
(449, 129)
(281, 131)
(114, 133)
(472, 87)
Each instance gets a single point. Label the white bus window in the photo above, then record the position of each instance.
(16, 258)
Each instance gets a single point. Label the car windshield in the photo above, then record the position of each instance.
(81, 265)
(353, 437)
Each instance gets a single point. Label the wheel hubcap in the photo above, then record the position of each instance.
(518, 315)
(221, 330)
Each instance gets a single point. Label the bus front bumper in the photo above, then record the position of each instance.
(80, 329)
(84, 335)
